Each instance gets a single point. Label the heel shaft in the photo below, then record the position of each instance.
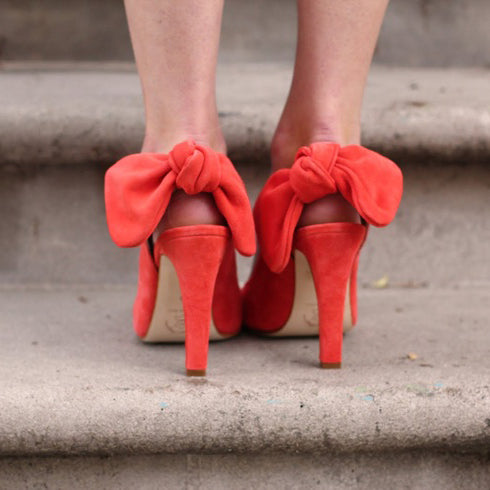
(196, 259)
(330, 250)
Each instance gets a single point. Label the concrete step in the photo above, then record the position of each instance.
(60, 129)
(79, 113)
(53, 229)
(78, 386)
(416, 33)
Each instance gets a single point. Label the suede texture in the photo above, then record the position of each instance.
(339, 245)
(138, 189)
(144, 303)
(373, 185)
(268, 297)
(227, 300)
(197, 253)
(370, 182)
(353, 288)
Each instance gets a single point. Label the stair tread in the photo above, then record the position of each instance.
(77, 381)
(76, 113)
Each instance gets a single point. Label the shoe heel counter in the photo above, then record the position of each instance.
(197, 259)
(331, 250)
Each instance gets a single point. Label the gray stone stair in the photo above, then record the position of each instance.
(80, 392)
(439, 33)
(83, 404)
(66, 113)
(61, 128)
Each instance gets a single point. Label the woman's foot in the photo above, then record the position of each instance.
(184, 209)
(330, 209)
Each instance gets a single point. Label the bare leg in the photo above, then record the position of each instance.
(336, 41)
(176, 47)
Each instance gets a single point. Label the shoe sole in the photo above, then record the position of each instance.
(167, 323)
(303, 320)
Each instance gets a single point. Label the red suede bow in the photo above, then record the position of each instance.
(138, 189)
(370, 182)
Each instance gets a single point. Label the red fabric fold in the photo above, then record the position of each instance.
(138, 189)
(372, 183)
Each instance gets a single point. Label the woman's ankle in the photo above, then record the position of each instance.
(289, 137)
(286, 142)
(184, 209)
(163, 142)
(329, 209)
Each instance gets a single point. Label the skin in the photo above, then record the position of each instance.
(177, 67)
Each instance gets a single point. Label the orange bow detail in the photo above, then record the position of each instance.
(138, 189)
(372, 183)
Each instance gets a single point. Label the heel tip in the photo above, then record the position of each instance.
(330, 365)
(196, 372)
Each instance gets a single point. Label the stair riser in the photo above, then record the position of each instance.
(419, 470)
(415, 33)
(53, 228)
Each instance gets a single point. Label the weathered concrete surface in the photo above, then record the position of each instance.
(64, 30)
(417, 471)
(435, 33)
(53, 228)
(59, 130)
(75, 380)
(94, 113)
(415, 33)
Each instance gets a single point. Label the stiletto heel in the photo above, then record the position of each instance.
(331, 250)
(299, 283)
(187, 287)
(196, 253)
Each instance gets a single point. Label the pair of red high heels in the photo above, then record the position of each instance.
(188, 289)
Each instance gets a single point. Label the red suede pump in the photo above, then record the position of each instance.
(299, 282)
(187, 287)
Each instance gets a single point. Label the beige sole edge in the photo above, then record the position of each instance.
(303, 320)
(167, 323)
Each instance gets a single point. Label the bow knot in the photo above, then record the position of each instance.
(138, 189)
(371, 183)
(310, 175)
(197, 168)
